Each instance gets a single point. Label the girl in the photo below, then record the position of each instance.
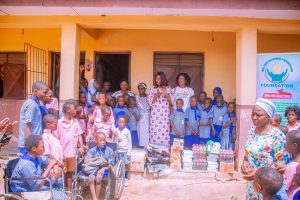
(134, 117)
(82, 118)
(97, 112)
(229, 124)
(205, 123)
(183, 91)
(121, 109)
(144, 106)
(177, 122)
(202, 98)
(219, 111)
(217, 91)
(292, 114)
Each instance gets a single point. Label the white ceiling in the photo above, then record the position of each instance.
(96, 11)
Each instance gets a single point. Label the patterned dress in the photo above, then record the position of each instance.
(159, 118)
(263, 150)
(143, 124)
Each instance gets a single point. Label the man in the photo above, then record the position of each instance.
(30, 115)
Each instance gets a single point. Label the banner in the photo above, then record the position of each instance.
(278, 79)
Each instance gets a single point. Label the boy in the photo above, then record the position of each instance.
(293, 148)
(69, 134)
(268, 182)
(192, 117)
(121, 109)
(104, 155)
(177, 121)
(124, 144)
(30, 115)
(205, 123)
(134, 117)
(53, 149)
(219, 110)
(276, 120)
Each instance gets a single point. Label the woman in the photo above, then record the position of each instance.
(160, 102)
(265, 144)
(123, 89)
(217, 91)
(183, 91)
(143, 104)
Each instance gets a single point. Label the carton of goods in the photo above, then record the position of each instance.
(226, 167)
(137, 160)
(178, 143)
(176, 166)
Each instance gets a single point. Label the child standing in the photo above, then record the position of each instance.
(229, 125)
(268, 182)
(124, 144)
(121, 109)
(219, 111)
(177, 121)
(143, 103)
(292, 113)
(202, 97)
(134, 117)
(82, 118)
(69, 134)
(293, 148)
(192, 117)
(97, 112)
(205, 123)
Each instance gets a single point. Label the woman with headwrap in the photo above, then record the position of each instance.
(264, 147)
(217, 91)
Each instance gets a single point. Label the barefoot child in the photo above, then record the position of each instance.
(219, 111)
(134, 117)
(69, 134)
(292, 113)
(192, 117)
(177, 122)
(229, 124)
(103, 156)
(124, 144)
(205, 123)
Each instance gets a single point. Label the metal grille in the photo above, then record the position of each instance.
(36, 65)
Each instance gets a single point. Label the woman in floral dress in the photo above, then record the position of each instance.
(265, 145)
(160, 102)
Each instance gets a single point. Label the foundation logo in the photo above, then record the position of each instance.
(277, 70)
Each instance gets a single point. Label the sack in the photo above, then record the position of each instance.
(92, 167)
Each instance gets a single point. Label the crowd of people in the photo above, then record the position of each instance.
(102, 121)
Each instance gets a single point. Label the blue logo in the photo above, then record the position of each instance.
(277, 69)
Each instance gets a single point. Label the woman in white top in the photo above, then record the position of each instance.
(123, 89)
(183, 91)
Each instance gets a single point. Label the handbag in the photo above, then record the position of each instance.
(92, 166)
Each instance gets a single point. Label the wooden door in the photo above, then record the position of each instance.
(14, 78)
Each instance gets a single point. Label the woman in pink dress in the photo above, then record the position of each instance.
(160, 102)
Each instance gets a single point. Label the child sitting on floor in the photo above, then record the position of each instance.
(293, 148)
(292, 113)
(192, 117)
(268, 182)
(134, 117)
(98, 160)
(177, 121)
(124, 144)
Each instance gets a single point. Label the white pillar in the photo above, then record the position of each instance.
(246, 50)
(69, 64)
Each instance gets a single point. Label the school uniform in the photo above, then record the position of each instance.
(226, 141)
(201, 106)
(133, 126)
(192, 116)
(178, 118)
(120, 111)
(204, 131)
(218, 117)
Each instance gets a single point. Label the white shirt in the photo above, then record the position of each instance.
(125, 144)
(184, 94)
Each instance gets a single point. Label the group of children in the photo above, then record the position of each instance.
(202, 121)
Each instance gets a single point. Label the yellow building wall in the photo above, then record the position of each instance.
(219, 55)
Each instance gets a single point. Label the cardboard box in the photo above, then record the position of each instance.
(227, 167)
(137, 160)
(178, 143)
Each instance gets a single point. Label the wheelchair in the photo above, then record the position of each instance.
(8, 164)
(112, 185)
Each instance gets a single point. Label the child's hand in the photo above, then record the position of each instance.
(91, 119)
(81, 151)
(233, 120)
(103, 159)
(220, 135)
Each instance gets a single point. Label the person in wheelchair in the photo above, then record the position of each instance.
(33, 165)
(97, 163)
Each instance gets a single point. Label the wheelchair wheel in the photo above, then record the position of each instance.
(116, 180)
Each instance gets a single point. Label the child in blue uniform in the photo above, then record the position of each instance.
(202, 98)
(229, 124)
(177, 122)
(219, 111)
(192, 117)
(205, 123)
(134, 116)
(121, 110)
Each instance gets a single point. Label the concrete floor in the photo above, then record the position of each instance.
(185, 186)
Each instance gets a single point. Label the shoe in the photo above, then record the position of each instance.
(126, 183)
